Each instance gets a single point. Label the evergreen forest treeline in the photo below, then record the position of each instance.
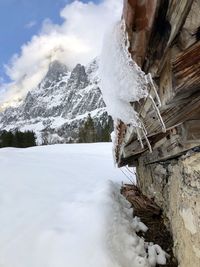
(89, 133)
(17, 139)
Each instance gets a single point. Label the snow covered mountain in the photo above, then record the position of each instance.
(59, 106)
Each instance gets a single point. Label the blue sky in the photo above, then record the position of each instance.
(73, 33)
(20, 20)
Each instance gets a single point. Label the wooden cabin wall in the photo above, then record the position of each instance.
(165, 41)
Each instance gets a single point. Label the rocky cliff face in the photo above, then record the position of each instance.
(175, 186)
(60, 104)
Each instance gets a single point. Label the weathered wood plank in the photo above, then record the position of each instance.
(134, 148)
(189, 33)
(171, 144)
(186, 71)
(173, 150)
(165, 90)
(177, 76)
(158, 40)
(173, 114)
(191, 130)
(139, 17)
(141, 204)
(128, 16)
(168, 22)
(176, 15)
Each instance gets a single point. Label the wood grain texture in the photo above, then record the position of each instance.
(186, 71)
(157, 44)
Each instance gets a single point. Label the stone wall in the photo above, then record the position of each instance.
(175, 186)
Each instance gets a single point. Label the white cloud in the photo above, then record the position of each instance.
(30, 24)
(77, 40)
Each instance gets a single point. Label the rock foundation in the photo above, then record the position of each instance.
(175, 186)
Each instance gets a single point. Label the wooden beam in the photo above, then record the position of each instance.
(167, 145)
(186, 72)
(154, 45)
(139, 17)
(173, 114)
(158, 40)
(165, 90)
(170, 18)
(191, 130)
(189, 32)
(176, 15)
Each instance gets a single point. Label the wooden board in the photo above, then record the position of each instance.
(156, 45)
(186, 72)
(166, 146)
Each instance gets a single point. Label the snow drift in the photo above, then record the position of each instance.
(59, 209)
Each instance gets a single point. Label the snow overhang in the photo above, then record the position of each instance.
(159, 45)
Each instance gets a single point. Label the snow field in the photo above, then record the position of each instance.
(59, 207)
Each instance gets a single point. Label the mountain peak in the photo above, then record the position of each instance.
(55, 72)
(58, 107)
(56, 64)
(78, 78)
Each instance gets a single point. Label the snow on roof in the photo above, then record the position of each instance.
(122, 80)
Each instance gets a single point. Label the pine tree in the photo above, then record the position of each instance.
(17, 139)
(87, 133)
(7, 139)
(105, 134)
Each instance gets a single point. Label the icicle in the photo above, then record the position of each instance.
(158, 114)
(147, 140)
(113, 136)
(146, 80)
(149, 78)
(142, 125)
(139, 137)
(144, 131)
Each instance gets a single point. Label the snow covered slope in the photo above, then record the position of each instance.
(58, 209)
(58, 107)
